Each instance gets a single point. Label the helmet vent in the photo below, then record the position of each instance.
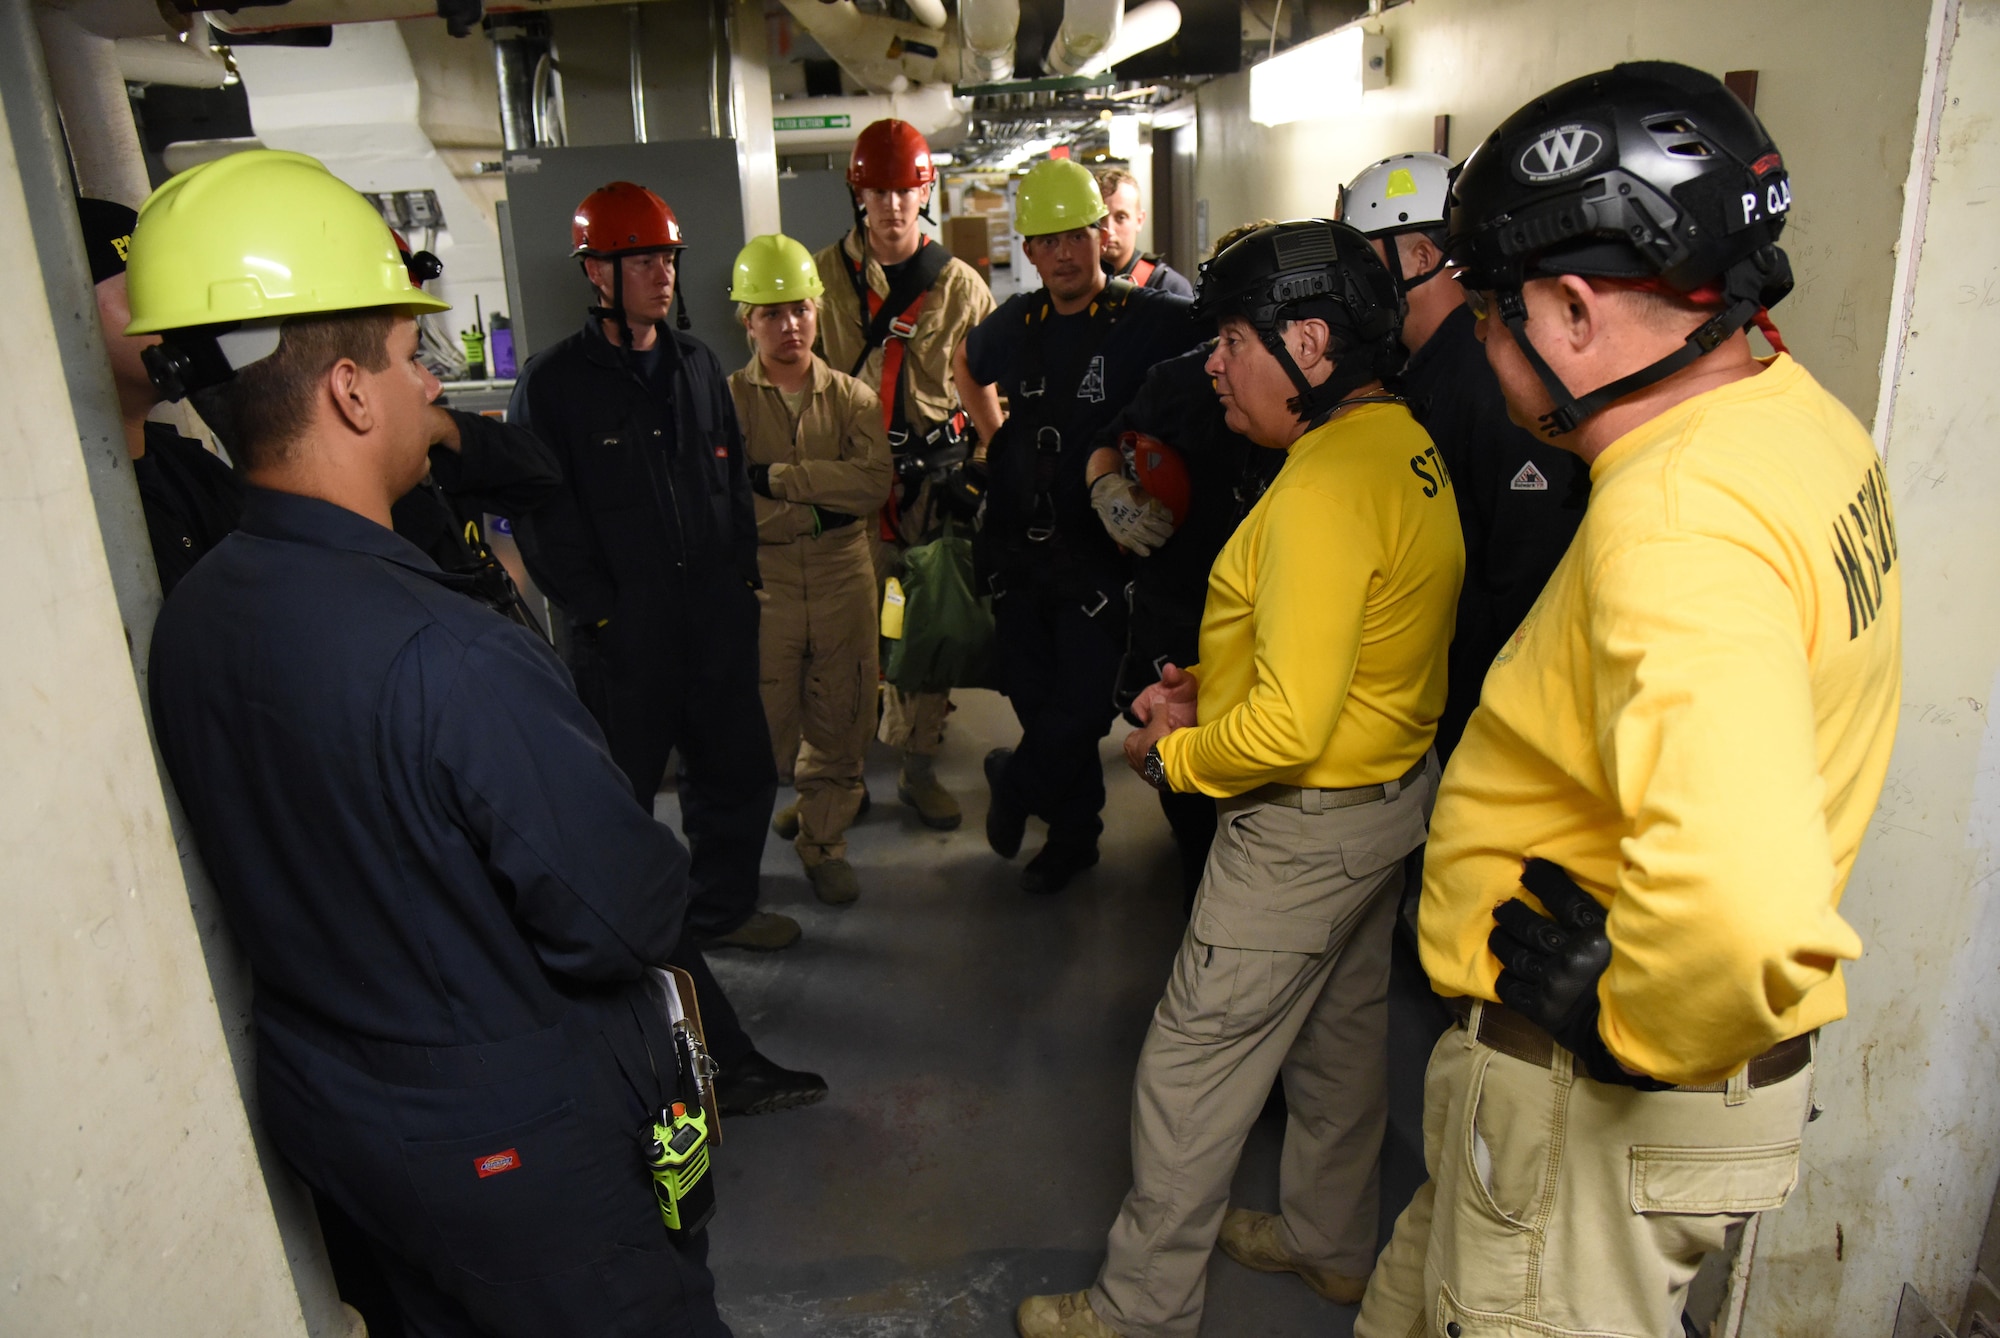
(1680, 137)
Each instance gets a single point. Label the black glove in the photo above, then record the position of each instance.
(964, 489)
(760, 481)
(1550, 968)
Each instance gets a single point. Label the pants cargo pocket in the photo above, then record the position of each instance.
(526, 1201)
(1713, 1180)
(1454, 1320)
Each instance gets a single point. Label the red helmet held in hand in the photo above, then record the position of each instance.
(890, 155)
(621, 218)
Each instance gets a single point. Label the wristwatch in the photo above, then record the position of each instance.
(1154, 770)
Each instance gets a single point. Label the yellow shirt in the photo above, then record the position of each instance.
(1694, 720)
(1329, 611)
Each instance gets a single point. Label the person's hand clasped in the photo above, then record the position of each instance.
(1166, 706)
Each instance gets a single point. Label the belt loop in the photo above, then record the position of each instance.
(1309, 801)
(1390, 789)
(1562, 1066)
(1472, 1021)
(1736, 1091)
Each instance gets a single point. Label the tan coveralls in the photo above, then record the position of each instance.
(817, 641)
(958, 301)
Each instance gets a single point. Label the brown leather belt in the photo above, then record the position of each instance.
(1502, 1029)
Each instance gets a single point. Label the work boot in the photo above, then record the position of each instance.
(1059, 861)
(1005, 824)
(785, 822)
(834, 882)
(918, 787)
(1065, 1316)
(764, 931)
(754, 1085)
(1251, 1239)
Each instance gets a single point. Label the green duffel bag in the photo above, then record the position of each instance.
(947, 629)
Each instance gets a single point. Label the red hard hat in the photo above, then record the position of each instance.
(1159, 469)
(890, 155)
(622, 217)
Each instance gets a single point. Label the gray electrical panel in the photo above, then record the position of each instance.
(698, 178)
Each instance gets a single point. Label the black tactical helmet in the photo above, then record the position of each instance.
(1649, 170)
(1311, 268)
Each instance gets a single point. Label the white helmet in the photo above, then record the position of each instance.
(1409, 192)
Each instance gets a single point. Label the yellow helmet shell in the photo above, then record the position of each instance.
(261, 235)
(1056, 196)
(772, 269)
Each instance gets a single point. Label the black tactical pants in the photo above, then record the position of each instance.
(1057, 662)
(668, 675)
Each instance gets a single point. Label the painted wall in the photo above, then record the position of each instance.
(134, 1203)
(1900, 1170)
(1838, 90)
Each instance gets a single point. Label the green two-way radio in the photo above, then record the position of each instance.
(677, 1155)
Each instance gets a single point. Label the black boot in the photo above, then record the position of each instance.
(753, 1085)
(1059, 861)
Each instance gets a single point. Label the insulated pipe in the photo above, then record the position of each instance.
(96, 114)
(987, 28)
(1089, 27)
(930, 13)
(1145, 27)
(930, 108)
(882, 55)
(162, 60)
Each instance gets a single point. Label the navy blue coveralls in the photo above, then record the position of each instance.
(1227, 473)
(448, 899)
(1057, 577)
(650, 550)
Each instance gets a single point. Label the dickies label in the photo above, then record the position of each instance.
(493, 1163)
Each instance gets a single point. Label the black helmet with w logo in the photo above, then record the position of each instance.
(1648, 170)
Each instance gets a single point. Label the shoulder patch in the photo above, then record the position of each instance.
(1530, 479)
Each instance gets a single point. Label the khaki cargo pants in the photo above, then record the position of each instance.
(816, 646)
(1284, 970)
(1559, 1206)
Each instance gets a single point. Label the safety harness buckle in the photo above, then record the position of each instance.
(901, 328)
(1091, 608)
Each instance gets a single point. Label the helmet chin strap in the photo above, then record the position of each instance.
(1393, 255)
(1571, 409)
(1314, 402)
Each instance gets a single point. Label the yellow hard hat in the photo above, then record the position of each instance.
(257, 236)
(772, 269)
(1056, 196)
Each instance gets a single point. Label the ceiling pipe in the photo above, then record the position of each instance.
(166, 60)
(930, 13)
(1089, 27)
(1144, 27)
(987, 29)
(931, 109)
(882, 55)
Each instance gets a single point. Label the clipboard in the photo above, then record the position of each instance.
(672, 989)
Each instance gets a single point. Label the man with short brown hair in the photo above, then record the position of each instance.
(1124, 216)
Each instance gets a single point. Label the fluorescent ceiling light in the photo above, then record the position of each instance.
(1320, 78)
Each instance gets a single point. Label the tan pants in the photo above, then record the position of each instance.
(1284, 970)
(912, 723)
(817, 649)
(1560, 1207)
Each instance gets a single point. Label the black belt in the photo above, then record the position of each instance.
(834, 520)
(1502, 1029)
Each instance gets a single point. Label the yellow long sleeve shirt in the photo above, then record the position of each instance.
(1695, 721)
(1329, 612)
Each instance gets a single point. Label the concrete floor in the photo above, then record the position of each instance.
(979, 1045)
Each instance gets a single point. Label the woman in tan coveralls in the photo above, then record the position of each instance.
(819, 463)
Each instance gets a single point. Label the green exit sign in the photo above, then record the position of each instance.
(840, 122)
